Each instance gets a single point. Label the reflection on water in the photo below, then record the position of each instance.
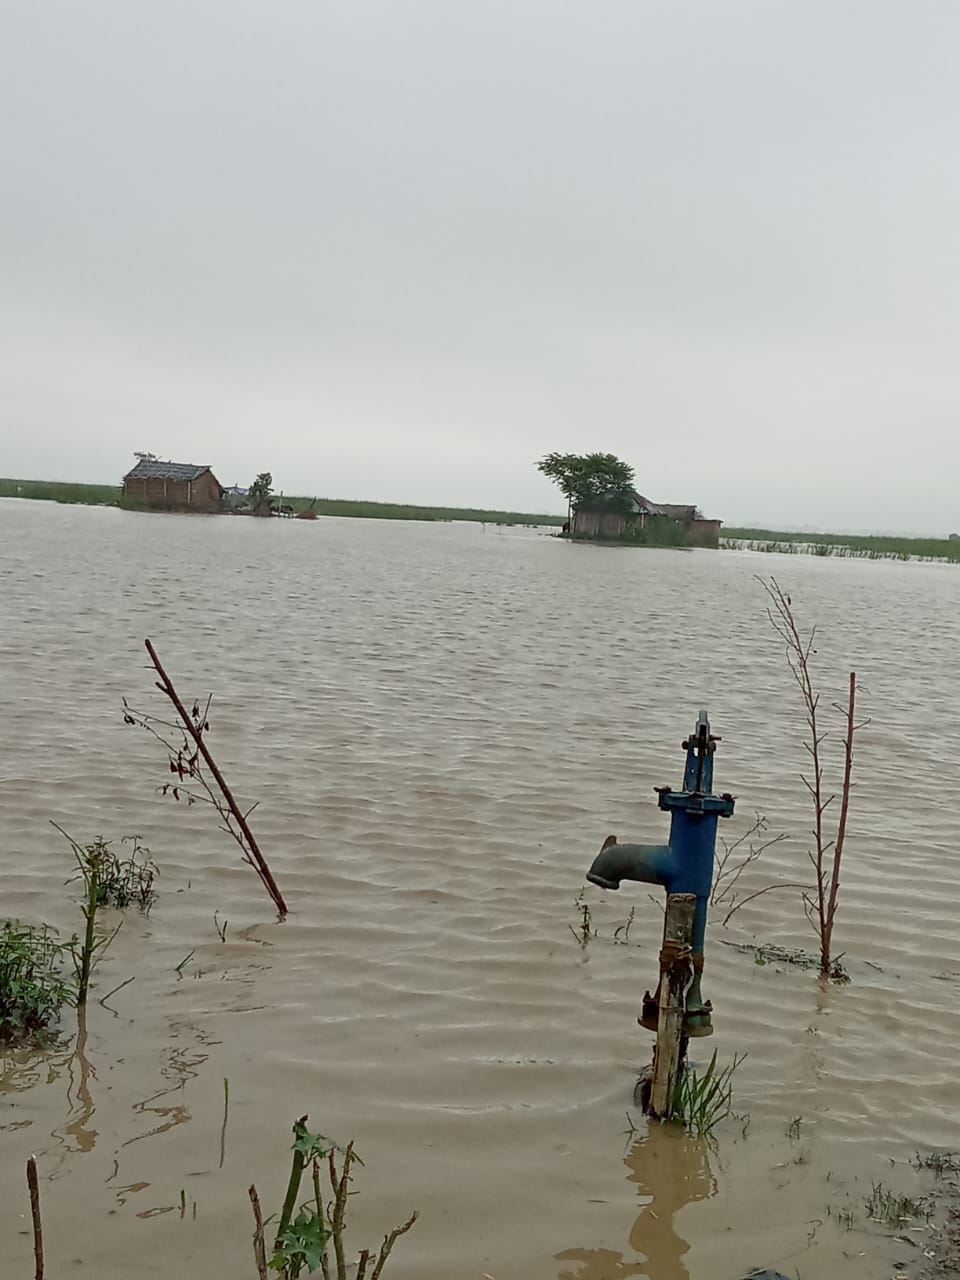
(183, 1063)
(671, 1170)
(79, 1098)
(23, 1068)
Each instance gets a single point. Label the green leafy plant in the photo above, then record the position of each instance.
(700, 1102)
(659, 531)
(96, 867)
(260, 493)
(306, 1231)
(33, 985)
(121, 882)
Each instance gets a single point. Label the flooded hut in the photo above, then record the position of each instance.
(597, 520)
(173, 486)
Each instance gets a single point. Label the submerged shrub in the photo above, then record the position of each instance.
(119, 882)
(33, 988)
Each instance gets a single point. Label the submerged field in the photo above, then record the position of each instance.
(107, 494)
(849, 546)
(845, 545)
(59, 491)
(440, 727)
(408, 511)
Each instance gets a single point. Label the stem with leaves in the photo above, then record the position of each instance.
(303, 1236)
(93, 862)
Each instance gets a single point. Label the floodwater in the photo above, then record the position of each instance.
(441, 724)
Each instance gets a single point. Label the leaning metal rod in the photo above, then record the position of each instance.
(165, 684)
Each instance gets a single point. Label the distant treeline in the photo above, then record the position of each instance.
(55, 491)
(110, 495)
(866, 547)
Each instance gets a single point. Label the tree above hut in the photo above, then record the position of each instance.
(596, 480)
(261, 493)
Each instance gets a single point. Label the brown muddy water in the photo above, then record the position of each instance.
(441, 724)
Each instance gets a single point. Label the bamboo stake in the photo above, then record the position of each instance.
(165, 684)
(676, 974)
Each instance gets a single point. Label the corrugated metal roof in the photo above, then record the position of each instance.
(147, 469)
(674, 510)
(644, 507)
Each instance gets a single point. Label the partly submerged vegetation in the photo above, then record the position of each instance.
(34, 982)
(702, 1099)
(852, 546)
(408, 511)
(303, 1242)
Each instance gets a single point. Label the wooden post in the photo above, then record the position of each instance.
(34, 1184)
(676, 974)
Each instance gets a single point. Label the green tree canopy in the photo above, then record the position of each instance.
(590, 479)
(261, 491)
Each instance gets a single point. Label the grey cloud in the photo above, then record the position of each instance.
(398, 250)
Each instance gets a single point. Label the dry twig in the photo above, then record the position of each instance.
(827, 853)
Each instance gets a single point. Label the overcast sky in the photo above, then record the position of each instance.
(398, 250)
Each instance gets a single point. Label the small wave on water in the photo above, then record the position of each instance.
(440, 727)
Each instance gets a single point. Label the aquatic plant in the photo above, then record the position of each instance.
(305, 1233)
(884, 1205)
(584, 930)
(33, 984)
(827, 853)
(701, 1101)
(943, 1164)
